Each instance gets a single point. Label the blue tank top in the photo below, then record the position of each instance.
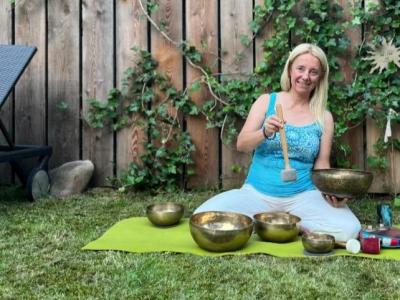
(267, 163)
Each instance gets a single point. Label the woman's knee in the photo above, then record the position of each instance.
(351, 229)
(347, 229)
(217, 202)
(342, 228)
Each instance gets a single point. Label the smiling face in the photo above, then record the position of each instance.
(305, 73)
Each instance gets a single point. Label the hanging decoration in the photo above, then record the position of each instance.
(382, 55)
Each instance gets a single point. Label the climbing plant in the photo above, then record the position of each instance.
(149, 96)
(158, 108)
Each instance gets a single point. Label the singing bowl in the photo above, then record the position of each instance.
(342, 183)
(164, 214)
(315, 242)
(278, 227)
(220, 231)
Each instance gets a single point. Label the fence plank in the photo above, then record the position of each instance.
(388, 180)
(30, 92)
(385, 181)
(355, 136)
(236, 58)
(168, 56)
(63, 80)
(381, 182)
(6, 110)
(202, 29)
(394, 159)
(131, 32)
(97, 79)
(267, 32)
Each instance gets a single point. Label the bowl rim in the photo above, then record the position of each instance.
(178, 205)
(256, 219)
(330, 170)
(330, 237)
(192, 223)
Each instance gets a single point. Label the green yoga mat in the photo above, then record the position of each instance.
(139, 235)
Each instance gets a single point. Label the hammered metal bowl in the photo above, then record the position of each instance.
(342, 183)
(279, 227)
(165, 214)
(220, 231)
(315, 242)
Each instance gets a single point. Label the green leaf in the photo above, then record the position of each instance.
(195, 86)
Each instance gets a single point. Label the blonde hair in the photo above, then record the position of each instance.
(319, 96)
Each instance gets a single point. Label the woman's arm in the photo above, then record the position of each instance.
(322, 161)
(251, 134)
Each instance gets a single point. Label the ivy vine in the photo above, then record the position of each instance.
(149, 96)
(158, 107)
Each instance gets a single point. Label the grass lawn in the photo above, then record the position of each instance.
(40, 258)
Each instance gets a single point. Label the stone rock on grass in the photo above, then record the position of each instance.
(70, 178)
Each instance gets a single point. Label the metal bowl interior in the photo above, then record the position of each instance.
(343, 183)
(316, 242)
(220, 231)
(165, 214)
(277, 227)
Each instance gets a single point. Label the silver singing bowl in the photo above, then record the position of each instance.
(277, 227)
(164, 214)
(220, 231)
(342, 183)
(315, 242)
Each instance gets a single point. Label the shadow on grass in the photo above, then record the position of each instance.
(14, 193)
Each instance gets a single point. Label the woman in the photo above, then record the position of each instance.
(309, 131)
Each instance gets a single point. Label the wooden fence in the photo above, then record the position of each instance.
(83, 49)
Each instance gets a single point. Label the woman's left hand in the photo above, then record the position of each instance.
(335, 202)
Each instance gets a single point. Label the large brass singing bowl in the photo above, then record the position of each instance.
(318, 242)
(342, 183)
(165, 214)
(220, 231)
(276, 227)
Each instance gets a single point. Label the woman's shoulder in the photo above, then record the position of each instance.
(262, 101)
(265, 98)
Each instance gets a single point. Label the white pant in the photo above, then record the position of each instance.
(316, 214)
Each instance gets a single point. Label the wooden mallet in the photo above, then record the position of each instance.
(288, 174)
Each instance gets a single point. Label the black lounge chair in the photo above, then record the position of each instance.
(13, 61)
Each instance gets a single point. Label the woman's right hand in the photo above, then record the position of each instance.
(272, 125)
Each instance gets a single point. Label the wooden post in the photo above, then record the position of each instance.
(236, 58)
(63, 80)
(202, 28)
(131, 31)
(97, 80)
(6, 110)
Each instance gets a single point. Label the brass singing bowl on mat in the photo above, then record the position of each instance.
(316, 242)
(279, 227)
(165, 214)
(220, 231)
(342, 183)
